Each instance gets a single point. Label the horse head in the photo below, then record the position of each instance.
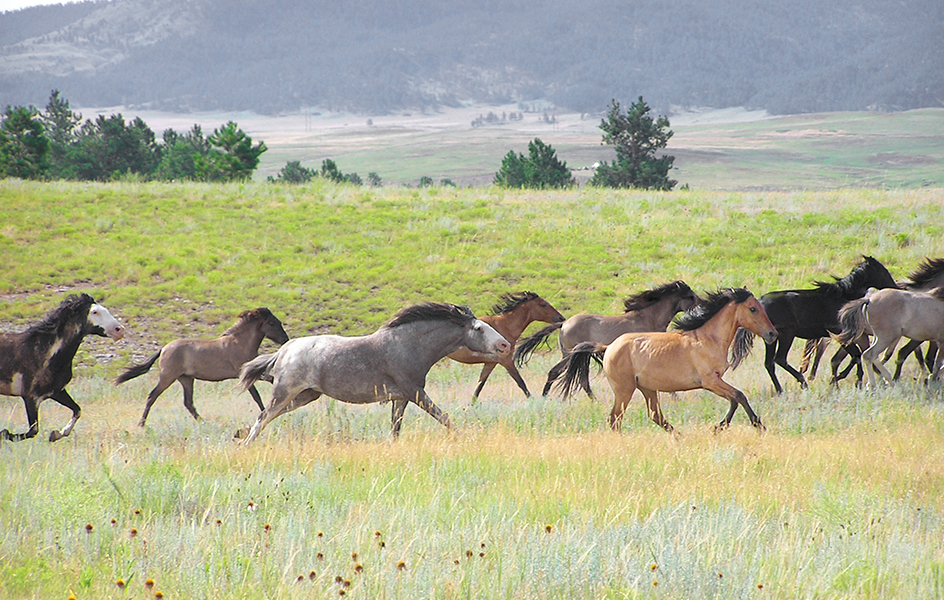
(100, 322)
(271, 326)
(541, 310)
(480, 337)
(752, 316)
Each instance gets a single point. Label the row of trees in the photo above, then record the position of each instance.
(57, 144)
(636, 136)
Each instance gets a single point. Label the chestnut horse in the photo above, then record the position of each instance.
(509, 318)
(693, 357)
(37, 363)
(184, 360)
(651, 310)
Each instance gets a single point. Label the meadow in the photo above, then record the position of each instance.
(528, 498)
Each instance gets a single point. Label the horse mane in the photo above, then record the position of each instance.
(510, 302)
(248, 316)
(650, 297)
(431, 311)
(857, 279)
(702, 313)
(74, 305)
(926, 272)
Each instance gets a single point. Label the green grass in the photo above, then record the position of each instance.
(840, 499)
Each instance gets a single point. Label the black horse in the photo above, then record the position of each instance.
(37, 363)
(813, 313)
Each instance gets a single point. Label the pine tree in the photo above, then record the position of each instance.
(637, 137)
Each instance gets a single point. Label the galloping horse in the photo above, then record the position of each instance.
(651, 310)
(890, 315)
(509, 318)
(37, 363)
(813, 313)
(928, 276)
(674, 361)
(389, 364)
(184, 360)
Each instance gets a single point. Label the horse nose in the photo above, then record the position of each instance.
(770, 336)
(502, 347)
(117, 332)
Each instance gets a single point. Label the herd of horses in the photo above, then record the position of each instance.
(668, 339)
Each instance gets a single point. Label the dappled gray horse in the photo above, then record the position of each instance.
(185, 360)
(389, 364)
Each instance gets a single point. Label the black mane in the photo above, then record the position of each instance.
(74, 308)
(864, 275)
(431, 311)
(650, 297)
(702, 313)
(510, 302)
(248, 316)
(926, 273)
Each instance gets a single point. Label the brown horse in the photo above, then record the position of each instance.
(509, 318)
(651, 310)
(184, 360)
(695, 357)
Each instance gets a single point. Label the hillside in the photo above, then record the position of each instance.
(374, 57)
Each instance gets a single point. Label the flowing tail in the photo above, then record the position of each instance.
(527, 346)
(256, 369)
(852, 318)
(137, 370)
(812, 352)
(576, 367)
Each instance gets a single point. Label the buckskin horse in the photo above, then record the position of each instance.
(389, 364)
(37, 363)
(650, 310)
(185, 360)
(509, 318)
(695, 356)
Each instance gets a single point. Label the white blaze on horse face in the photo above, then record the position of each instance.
(493, 340)
(100, 317)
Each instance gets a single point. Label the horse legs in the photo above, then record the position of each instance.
(255, 396)
(397, 408)
(423, 400)
(513, 371)
(770, 364)
(162, 384)
(870, 356)
(911, 346)
(280, 404)
(32, 418)
(63, 398)
(186, 382)
(483, 377)
(623, 393)
(655, 409)
(783, 349)
(736, 397)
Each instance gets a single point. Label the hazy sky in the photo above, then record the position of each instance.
(18, 4)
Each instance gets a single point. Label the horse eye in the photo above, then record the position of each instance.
(753, 309)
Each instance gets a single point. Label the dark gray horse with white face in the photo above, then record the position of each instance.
(389, 364)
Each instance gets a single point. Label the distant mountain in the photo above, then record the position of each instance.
(381, 56)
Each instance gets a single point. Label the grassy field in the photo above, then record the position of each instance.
(732, 149)
(528, 498)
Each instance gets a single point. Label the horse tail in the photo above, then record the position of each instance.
(256, 369)
(742, 346)
(809, 351)
(575, 367)
(852, 320)
(527, 346)
(137, 370)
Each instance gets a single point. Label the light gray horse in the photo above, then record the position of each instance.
(648, 311)
(889, 315)
(389, 364)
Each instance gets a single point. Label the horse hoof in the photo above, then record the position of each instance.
(241, 433)
(55, 436)
(5, 435)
